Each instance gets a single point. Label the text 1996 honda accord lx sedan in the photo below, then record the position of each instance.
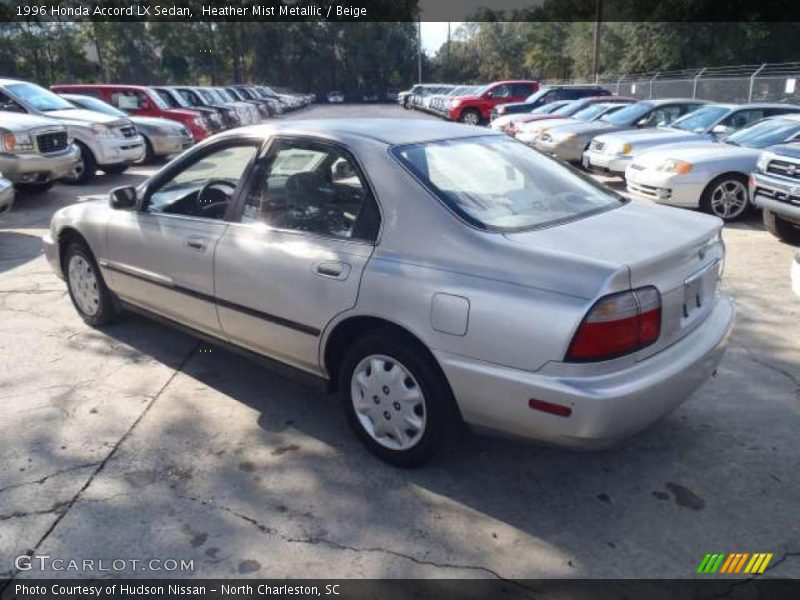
(374, 255)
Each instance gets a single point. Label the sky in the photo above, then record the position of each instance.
(434, 34)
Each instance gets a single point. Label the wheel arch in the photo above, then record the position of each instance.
(731, 173)
(66, 236)
(352, 328)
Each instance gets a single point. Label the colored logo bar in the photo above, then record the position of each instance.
(737, 562)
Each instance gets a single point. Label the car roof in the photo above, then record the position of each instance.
(388, 131)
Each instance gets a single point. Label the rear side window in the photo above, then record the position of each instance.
(515, 189)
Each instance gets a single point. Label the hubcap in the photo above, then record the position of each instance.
(388, 402)
(471, 118)
(729, 199)
(83, 284)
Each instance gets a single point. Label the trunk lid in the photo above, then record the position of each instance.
(679, 252)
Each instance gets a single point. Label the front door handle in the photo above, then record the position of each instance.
(197, 243)
(333, 269)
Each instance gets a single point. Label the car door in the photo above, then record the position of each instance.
(161, 257)
(293, 258)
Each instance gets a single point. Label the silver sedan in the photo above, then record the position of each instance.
(432, 274)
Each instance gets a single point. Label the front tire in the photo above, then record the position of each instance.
(726, 197)
(781, 228)
(470, 117)
(398, 403)
(149, 154)
(88, 291)
(86, 169)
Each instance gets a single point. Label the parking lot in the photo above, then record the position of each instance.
(139, 442)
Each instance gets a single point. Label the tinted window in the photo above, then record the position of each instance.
(205, 187)
(515, 188)
(501, 91)
(313, 187)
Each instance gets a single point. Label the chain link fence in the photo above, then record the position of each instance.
(768, 82)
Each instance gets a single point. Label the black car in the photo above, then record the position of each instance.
(215, 116)
(241, 93)
(547, 94)
(198, 98)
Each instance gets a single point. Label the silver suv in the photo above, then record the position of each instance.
(35, 152)
(775, 188)
(107, 143)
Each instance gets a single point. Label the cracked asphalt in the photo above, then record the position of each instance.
(139, 442)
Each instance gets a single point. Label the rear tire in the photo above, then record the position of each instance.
(781, 228)
(86, 169)
(470, 117)
(726, 197)
(88, 291)
(398, 403)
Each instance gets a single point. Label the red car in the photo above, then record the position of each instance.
(477, 109)
(140, 101)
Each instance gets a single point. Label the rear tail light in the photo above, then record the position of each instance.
(618, 324)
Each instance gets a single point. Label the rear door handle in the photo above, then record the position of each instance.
(333, 269)
(196, 243)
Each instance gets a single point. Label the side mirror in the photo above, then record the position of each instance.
(643, 122)
(11, 106)
(122, 198)
(719, 130)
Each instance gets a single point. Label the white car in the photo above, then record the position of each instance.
(711, 176)
(108, 143)
(335, 97)
(613, 152)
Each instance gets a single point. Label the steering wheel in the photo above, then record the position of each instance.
(212, 200)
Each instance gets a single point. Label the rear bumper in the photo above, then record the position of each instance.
(38, 168)
(605, 408)
(118, 151)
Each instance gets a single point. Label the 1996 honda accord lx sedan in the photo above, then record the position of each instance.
(431, 273)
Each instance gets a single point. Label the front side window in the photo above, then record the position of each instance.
(127, 100)
(313, 187)
(516, 187)
(743, 118)
(501, 91)
(205, 187)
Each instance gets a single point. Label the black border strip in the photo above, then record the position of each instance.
(301, 327)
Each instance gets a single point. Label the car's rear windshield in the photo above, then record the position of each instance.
(515, 187)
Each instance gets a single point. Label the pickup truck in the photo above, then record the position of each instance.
(775, 188)
(477, 108)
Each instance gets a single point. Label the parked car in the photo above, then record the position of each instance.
(35, 152)
(391, 94)
(140, 101)
(529, 133)
(162, 137)
(508, 302)
(248, 113)
(440, 103)
(531, 121)
(775, 188)
(569, 142)
(108, 143)
(477, 109)
(6, 195)
(242, 94)
(278, 105)
(369, 96)
(404, 97)
(713, 176)
(216, 117)
(335, 97)
(613, 152)
(504, 123)
(547, 94)
(199, 101)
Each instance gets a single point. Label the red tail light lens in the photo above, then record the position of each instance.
(616, 325)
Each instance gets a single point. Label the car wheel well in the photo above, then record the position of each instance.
(732, 174)
(349, 330)
(68, 236)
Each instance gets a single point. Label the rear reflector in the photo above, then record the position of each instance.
(549, 407)
(618, 324)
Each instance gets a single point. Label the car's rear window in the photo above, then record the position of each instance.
(499, 184)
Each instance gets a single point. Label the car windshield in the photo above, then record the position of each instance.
(548, 108)
(629, 114)
(38, 97)
(765, 133)
(516, 187)
(590, 112)
(96, 105)
(570, 108)
(172, 98)
(701, 119)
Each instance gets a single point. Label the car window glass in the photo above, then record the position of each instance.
(307, 186)
(663, 115)
(501, 91)
(126, 100)
(206, 186)
(743, 118)
(10, 105)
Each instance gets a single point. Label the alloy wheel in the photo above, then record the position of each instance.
(729, 199)
(84, 285)
(388, 402)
